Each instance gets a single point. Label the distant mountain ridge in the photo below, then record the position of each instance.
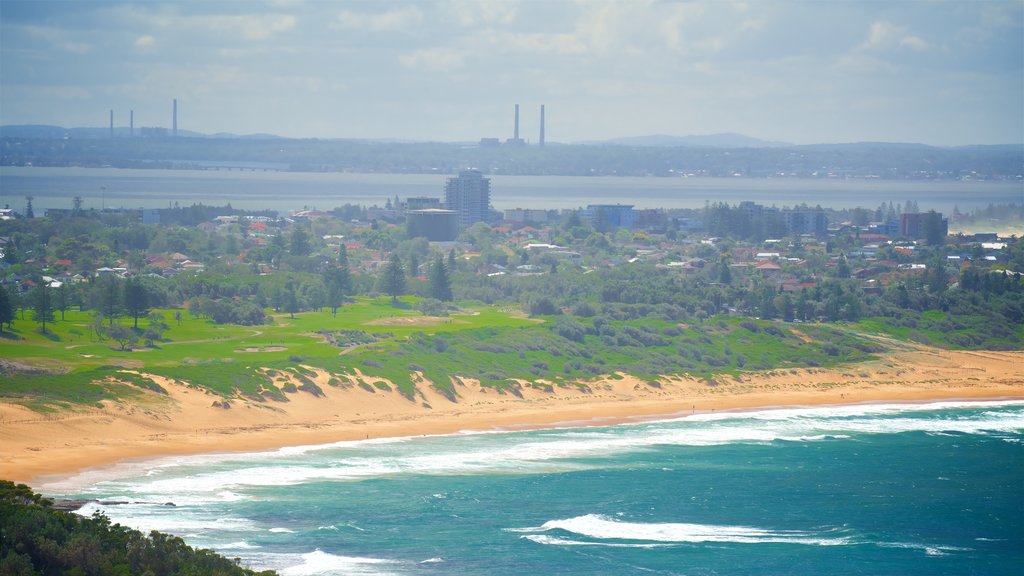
(727, 140)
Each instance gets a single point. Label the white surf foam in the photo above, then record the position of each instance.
(211, 478)
(603, 528)
(319, 563)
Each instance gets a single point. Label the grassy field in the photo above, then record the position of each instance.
(70, 364)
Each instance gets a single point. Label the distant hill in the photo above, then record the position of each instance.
(59, 132)
(727, 140)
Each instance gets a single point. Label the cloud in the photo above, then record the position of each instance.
(395, 20)
(884, 35)
(434, 59)
(469, 13)
(145, 41)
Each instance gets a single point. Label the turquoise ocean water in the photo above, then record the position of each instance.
(865, 489)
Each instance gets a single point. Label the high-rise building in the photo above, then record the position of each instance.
(607, 217)
(469, 194)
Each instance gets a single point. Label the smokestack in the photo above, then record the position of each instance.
(175, 118)
(131, 123)
(541, 124)
(516, 136)
(111, 122)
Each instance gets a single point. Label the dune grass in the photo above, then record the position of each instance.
(71, 364)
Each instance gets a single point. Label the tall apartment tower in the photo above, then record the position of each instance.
(469, 194)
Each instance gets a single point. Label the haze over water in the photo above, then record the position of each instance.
(284, 191)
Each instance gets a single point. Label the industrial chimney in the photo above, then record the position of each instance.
(541, 124)
(175, 118)
(111, 122)
(515, 137)
(131, 123)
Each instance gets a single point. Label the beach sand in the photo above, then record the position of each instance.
(35, 447)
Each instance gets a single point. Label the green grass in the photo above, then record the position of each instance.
(936, 328)
(489, 344)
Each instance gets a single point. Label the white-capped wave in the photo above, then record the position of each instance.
(555, 541)
(240, 545)
(320, 563)
(601, 527)
(281, 531)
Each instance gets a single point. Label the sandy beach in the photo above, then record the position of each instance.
(189, 420)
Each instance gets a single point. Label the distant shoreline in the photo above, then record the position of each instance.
(46, 451)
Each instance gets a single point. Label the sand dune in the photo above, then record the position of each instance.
(190, 420)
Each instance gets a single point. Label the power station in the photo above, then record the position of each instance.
(515, 140)
(148, 132)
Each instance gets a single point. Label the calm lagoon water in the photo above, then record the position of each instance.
(283, 191)
(866, 489)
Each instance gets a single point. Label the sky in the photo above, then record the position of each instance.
(936, 72)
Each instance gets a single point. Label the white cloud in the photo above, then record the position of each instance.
(469, 13)
(145, 41)
(884, 35)
(395, 20)
(434, 59)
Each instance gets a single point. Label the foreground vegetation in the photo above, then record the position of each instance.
(37, 539)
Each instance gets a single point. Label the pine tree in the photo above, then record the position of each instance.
(62, 299)
(393, 278)
(342, 256)
(108, 297)
(299, 245)
(440, 282)
(290, 301)
(6, 308)
(414, 265)
(136, 300)
(336, 283)
(42, 304)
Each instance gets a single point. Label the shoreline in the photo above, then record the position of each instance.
(47, 451)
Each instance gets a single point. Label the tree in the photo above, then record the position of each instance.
(29, 212)
(289, 300)
(124, 336)
(107, 297)
(342, 256)
(42, 304)
(337, 282)
(440, 282)
(393, 278)
(62, 299)
(299, 244)
(136, 300)
(6, 308)
(414, 265)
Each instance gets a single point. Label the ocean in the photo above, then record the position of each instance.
(285, 191)
(892, 488)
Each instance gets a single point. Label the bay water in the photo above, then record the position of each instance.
(894, 488)
(53, 187)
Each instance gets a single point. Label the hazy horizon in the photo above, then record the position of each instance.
(940, 73)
